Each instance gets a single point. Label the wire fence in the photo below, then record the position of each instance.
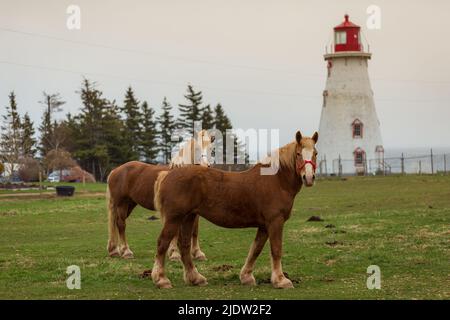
(419, 164)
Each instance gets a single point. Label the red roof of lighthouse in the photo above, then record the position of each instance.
(346, 24)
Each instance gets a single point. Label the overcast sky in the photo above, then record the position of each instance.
(263, 60)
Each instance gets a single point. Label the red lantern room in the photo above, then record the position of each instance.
(347, 36)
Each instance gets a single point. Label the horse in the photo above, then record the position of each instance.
(233, 200)
(185, 157)
(132, 184)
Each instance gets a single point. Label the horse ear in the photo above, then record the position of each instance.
(315, 137)
(298, 136)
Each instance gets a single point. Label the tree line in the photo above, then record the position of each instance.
(103, 134)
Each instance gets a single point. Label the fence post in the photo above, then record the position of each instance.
(326, 168)
(339, 166)
(420, 166)
(403, 163)
(445, 164)
(432, 166)
(40, 182)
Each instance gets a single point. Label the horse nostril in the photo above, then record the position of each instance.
(304, 177)
(314, 177)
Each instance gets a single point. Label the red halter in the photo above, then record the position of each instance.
(305, 162)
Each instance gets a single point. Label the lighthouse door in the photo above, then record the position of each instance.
(360, 161)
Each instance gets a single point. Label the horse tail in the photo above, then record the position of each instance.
(157, 198)
(112, 218)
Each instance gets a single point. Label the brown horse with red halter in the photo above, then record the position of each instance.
(247, 199)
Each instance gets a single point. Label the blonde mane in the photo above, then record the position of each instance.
(286, 157)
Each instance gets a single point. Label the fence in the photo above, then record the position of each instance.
(418, 164)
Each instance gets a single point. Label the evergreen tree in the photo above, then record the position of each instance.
(133, 119)
(52, 103)
(221, 123)
(113, 131)
(149, 146)
(191, 111)
(221, 120)
(90, 140)
(11, 138)
(28, 140)
(166, 126)
(207, 118)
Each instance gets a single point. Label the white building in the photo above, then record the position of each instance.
(350, 139)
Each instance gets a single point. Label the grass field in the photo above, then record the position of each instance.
(400, 224)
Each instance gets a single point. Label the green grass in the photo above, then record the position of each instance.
(398, 223)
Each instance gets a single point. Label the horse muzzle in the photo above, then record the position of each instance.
(308, 180)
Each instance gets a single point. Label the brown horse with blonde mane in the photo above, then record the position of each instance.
(132, 184)
(233, 200)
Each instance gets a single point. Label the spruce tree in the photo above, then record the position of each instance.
(113, 135)
(221, 123)
(166, 125)
(149, 145)
(207, 118)
(221, 120)
(28, 140)
(11, 138)
(190, 112)
(133, 119)
(91, 142)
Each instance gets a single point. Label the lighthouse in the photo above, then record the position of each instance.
(350, 138)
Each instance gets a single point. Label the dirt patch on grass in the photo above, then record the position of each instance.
(334, 243)
(222, 268)
(8, 213)
(314, 219)
(327, 279)
(330, 262)
(146, 274)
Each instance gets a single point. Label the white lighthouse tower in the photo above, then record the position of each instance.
(350, 138)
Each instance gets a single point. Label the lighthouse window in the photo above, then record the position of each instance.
(359, 157)
(341, 37)
(357, 127)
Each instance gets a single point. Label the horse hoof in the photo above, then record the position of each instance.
(163, 284)
(175, 256)
(285, 283)
(128, 255)
(200, 256)
(197, 280)
(114, 253)
(248, 279)
(200, 281)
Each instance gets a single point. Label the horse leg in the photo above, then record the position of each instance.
(276, 238)
(113, 240)
(246, 275)
(197, 253)
(169, 230)
(191, 275)
(173, 253)
(125, 250)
